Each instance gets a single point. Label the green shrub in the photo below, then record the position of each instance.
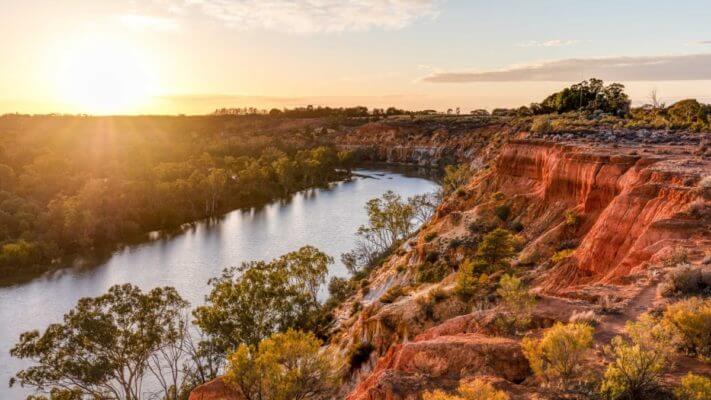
(634, 371)
(694, 387)
(638, 363)
(571, 218)
(561, 255)
(690, 321)
(516, 226)
(517, 303)
(502, 212)
(558, 355)
(455, 176)
(496, 248)
(432, 256)
(393, 294)
(428, 272)
(466, 283)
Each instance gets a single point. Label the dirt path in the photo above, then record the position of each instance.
(614, 325)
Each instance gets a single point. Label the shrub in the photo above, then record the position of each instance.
(516, 226)
(561, 255)
(637, 363)
(287, 365)
(478, 389)
(432, 256)
(694, 387)
(428, 272)
(502, 212)
(541, 125)
(690, 321)
(677, 256)
(571, 218)
(517, 304)
(455, 176)
(430, 236)
(633, 372)
(393, 294)
(686, 280)
(585, 317)
(454, 243)
(466, 283)
(480, 226)
(359, 355)
(608, 305)
(497, 196)
(558, 355)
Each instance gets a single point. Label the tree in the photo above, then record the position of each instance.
(424, 205)
(558, 355)
(249, 303)
(654, 100)
(390, 219)
(478, 389)
(285, 366)
(588, 95)
(496, 248)
(105, 346)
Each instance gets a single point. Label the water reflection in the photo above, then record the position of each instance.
(325, 217)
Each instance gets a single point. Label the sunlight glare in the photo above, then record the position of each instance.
(105, 77)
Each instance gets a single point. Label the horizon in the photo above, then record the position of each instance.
(173, 57)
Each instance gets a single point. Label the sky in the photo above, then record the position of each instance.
(193, 56)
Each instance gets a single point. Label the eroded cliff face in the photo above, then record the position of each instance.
(617, 207)
(630, 208)
(426, 144)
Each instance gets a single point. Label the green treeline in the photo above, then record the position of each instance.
(72, 184)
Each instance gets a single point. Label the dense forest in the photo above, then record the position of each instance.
(73, 184)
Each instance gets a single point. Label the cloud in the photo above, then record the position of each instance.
(548, 43)
(142, 22)
(316, 16)
(654, 68)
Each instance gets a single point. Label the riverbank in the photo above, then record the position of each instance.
(326, 218)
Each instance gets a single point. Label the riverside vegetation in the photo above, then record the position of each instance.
(70, 185)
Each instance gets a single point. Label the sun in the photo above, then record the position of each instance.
(105, 77)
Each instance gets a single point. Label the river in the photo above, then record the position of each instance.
(325, 217)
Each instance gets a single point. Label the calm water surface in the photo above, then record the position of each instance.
(325, 218)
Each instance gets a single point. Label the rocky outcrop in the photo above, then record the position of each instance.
(409, 368)
(216, 389)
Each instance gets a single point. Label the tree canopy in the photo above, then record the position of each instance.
(250, 302)
(106, 346)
